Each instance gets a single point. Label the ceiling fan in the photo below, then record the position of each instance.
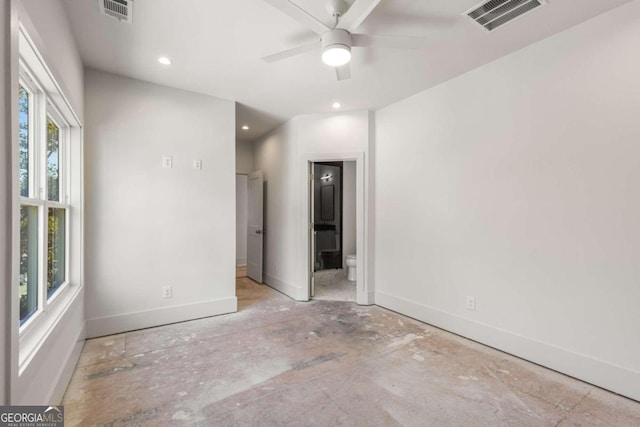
(336, 42)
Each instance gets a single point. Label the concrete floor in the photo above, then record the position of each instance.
(278, 362)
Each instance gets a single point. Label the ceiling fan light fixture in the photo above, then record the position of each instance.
(336, 47)
(336, 55)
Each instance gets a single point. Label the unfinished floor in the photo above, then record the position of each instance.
(279, 362)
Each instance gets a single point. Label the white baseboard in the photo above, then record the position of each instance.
(303, 294)
(161, 316)
(67, 370)
(286, 288)
(241, 262)
(600, 373)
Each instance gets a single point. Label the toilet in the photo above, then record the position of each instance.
(351, 265)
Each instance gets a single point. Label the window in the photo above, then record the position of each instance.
(48, 229)
(28, 262)
(44, 209)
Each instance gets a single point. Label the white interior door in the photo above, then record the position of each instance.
(242, 209)
(255, 232)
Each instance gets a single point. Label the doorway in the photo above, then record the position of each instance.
(334, 230)
(364, 286)
(328, 215)
(249, 225)
(242, 208)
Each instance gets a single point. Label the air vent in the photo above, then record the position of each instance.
(495, 13)
(120, 9)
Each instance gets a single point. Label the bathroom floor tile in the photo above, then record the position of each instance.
(332, 285)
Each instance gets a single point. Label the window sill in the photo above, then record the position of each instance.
(33, 337)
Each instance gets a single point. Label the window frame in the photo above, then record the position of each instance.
(31, 337)
(42, 108)
(40, 310)
(34, 91)
(53, 114)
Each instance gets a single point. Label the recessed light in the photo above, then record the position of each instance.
(336, 105)
(164, 60)
(245, 127)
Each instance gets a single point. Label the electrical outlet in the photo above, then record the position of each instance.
(197, 165)
(471, 303)
(167, 162)
(167, 292)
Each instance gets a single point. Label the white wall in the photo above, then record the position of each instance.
(516, 183)
(60, 51)
(242, 219)
(280, 155)
(348, 210)
(148, 227)
(275, 155)
(45, 377)
(244, 157)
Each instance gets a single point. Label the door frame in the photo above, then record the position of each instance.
(363, 291)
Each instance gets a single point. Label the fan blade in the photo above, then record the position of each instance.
(365, 40)
(292, 52)
(300, 15)
(359, 11)
(343, 72)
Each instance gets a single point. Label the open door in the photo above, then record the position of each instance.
(255, 232)
(312, 234)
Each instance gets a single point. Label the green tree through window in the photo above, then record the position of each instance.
(23, 132)
(28, 262)
(56, 249)
(53, 161)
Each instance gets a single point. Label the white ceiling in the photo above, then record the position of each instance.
(216, 46)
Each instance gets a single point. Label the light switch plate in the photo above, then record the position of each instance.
(167, 292)
(167, 162)
(471, 303)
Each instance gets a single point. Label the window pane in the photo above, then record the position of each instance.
(28, 262)
(53, 161)
(23, 129)
(56, 250)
